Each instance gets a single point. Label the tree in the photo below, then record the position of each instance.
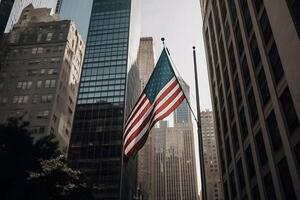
(56, 181)
(30, 168)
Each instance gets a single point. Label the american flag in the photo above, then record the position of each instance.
(161, 96)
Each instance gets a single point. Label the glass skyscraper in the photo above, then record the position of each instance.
(96, 139)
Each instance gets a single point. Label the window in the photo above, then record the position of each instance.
(35, 99)
(239, 40)
(43, 71)
(261, 148)
(240, 172)
(275, 62)
(61, 36)
(294, 6)
(258, 4)
(47, 98)
(237, 90)
(297, 152)
(269, 187)
(250, 162)
(235, 140)
(255, 52)
(20, 99)
(50, 83)
(255, 193)
(34, 51)
(246, 73)
(40, 50)
(228, 153)
(286, 180)
(265, 27)
(49, 36)
(252, 107)
(274, 132)
(244, 129)
(43, 114)
(288, 108)
(247, 16)
(39, 37)
(263, 87)
(39, 84)
(232, 185)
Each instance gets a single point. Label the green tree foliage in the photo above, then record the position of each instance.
(34, 169)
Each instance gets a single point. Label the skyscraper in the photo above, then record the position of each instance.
(252, 52)
(182, 115)
(173, 173)
(96, 140)
(145, 63)
(212, 166)
(19, 5)
(40, 73)
(173, 165)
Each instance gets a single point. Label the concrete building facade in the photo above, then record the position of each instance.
(40, 73)
(173, 170)
(252, 52)
(145, 63)
(212, 165)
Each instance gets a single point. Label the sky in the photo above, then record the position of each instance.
(180, 23)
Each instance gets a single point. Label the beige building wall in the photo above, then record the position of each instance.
(145, 63)
(212, 165)
(40, 73)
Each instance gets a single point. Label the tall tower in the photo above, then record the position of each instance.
(252, 52)
(212, 165)
(40, 73)
(182, 115)
(96, 139)
(19, 5)
(173, 173)
(145, 64)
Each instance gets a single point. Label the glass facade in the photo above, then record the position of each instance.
(96, 138)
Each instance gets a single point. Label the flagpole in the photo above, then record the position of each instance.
(200, 141)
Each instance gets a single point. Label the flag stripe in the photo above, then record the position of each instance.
(164, 108)
(144, 134)
(157, 104)
(138, 117)
(163, 92)
(137, 107)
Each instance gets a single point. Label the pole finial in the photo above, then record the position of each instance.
(163, 40)
(194, 47)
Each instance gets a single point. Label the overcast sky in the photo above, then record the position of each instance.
(180, 22)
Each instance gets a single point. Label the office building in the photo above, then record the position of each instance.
(173, 170)
(19, 5)
(212, 172)
(5, 10)
(252, 52)
(182, 115)
(40, 72)
(96, 140)
(145, 63)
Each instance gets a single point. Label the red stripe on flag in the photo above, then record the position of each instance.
(142, 141)
(160, 98)
(141, 115)
(136, 109)
(160, 109)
